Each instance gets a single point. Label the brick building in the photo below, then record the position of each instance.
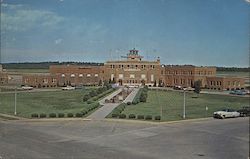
(134, 71)
(3, 76)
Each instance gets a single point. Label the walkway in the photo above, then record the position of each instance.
(107, 108)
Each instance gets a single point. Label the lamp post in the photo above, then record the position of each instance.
(15, 101)
(184, 103)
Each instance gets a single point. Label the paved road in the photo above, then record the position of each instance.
(209, 139)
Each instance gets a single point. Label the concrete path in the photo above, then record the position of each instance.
(131, 96)
(107, 108)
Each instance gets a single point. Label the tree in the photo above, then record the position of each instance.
(155, 83)
(197, 86)
(100, 83)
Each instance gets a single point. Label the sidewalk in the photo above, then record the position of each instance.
(107, 108)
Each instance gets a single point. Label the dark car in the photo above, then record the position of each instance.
(244, 111)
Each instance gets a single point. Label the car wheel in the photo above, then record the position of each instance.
(223, 116)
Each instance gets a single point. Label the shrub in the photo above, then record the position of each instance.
(128, 103)
(140, 116)
(34, 115)
(70, 115)
(143, 97)
(42, 115)
(89, 102)
(122, 116)
(61, 115)
(158, 117)
(92, 93)
(79, 115)
(85, 98)
(131, 116)
(114, 115)
(148, 117)
(52, 115)
(84, 112)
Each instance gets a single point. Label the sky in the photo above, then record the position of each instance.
(197, 32)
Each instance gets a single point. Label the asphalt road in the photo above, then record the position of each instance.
(207, 139)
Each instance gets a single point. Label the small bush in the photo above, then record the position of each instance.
(140, 116)
(85, 98)
(34, 115)
(89, 102)
(129, 103)
(52, 115)
(135, 102)
(122, 116)
(131, 116)
(70, 115)
(148, 117)
(84, 112)
(158, 117)
(79, 115)
(61, 115)
(114, 115)
(42, 115)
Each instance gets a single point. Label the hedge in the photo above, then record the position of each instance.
(148, 117)
(70, 115)
(52, 115)
(79, 115)
(34, 115)
(131, 116)
(122, 116)
(158, 117)
(140, 116)
(61, 115)
(42, 115)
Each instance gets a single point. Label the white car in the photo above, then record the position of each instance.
(68, 88)
(226, 113)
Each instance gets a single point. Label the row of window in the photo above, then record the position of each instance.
(132, 66)
(187, 73)
(143, 76)
(81, 75)
(183, 81)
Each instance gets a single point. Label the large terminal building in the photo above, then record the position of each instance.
(133, 71)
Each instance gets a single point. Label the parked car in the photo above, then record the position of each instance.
(244, 111)
(226, 113)
(238, 92)
(178, 87)
(68, 88)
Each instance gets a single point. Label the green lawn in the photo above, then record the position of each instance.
(172, 104)
(28, 70)
(44, 102)
(233, 73)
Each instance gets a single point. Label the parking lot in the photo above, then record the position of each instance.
(209, 138)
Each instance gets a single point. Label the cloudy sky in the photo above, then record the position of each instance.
(198, 32)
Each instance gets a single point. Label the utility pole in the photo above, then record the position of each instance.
(15, 101)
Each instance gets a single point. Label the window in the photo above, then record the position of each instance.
(143, 76)
(45, 80)
(63, 75)
(152, 78)
(72, 75)
(88, 75)
(54, 80)
(80, 75)
(96, 75)
(131, 76)
(120, 76)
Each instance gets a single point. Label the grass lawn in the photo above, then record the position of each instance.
(233, 73)
(172, 104)
(28, 70)
(44, 102)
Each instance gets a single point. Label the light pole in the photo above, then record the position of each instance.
(184, 103)
(15, 101)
